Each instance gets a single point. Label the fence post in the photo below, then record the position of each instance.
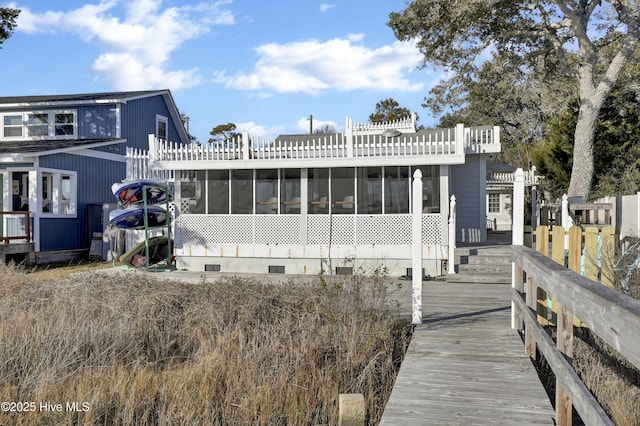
(416, 249)
(348, 136)
(517, 235)
(451, 269)
(245, 146)
(518, 208)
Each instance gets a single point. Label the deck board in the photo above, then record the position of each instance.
(465, 365)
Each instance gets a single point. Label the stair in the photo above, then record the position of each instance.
(482, 264)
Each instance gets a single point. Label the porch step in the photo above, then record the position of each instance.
(482, 264)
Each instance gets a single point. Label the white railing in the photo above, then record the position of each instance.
(138, 166)
(454, 141)
(507, 178)
(403, 125)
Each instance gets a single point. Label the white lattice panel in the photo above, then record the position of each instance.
(318, 229)
(384, 229)
(431, 229)
(335, 229)
(277, 229)
(216, 229)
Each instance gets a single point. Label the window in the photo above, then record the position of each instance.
(370, 190)
(494, 203)
(192, 184)
(342, 185)
(318, 191)
(290, 191)
(64, 124)
(430, 188)
(58, 193)
(242, 191)
(396, 189)
(218, 191)
(267, 191)
(40, 125)
(162, 124)
(12, 126)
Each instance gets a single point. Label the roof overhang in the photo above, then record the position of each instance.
(32, 149)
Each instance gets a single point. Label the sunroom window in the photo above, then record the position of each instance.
(58, 193)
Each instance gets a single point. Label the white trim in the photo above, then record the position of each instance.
(121, 158)
(67, 150)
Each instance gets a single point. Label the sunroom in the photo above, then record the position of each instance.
(310, 203)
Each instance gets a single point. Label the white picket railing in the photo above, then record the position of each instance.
(453, 141)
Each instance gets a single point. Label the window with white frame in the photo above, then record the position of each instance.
(60, 124)
(162, 124)
(58, 193)
(494, 203)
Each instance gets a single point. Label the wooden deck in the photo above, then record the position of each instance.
(465, 365)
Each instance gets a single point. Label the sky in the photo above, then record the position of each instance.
(266, 66)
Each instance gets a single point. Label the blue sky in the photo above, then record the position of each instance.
(264, 65)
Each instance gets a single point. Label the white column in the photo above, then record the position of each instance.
(518, 208)
(517, 229)
(35, 205)
(416, 249)
(451, 269)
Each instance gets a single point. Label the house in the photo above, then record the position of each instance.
(500, 178)
(59, 156)
(324, 202)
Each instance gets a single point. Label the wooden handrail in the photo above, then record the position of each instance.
(611, 315)
(27, 227)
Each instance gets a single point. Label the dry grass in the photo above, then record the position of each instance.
(229, 352)
(611, 379)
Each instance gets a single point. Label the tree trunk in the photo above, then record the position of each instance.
(582, 169)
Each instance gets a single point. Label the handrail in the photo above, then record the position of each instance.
(27, 227)
(611, 315)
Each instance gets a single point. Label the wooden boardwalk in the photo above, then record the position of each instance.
(465, 365)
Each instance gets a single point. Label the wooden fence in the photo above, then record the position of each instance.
(589, 252)
(610, 314)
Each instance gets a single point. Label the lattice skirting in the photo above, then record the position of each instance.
(319, 229)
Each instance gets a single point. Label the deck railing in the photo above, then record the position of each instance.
(453, 141)
(15, 226)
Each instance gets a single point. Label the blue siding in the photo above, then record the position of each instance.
(96, 122)
(95, 177)
(139, 120)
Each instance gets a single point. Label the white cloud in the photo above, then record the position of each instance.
(324, 7)
(137, 37)
(341, 64)
(259, 131)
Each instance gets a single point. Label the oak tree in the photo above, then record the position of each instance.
(461, 34)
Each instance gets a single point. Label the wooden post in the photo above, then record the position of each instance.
(608, 255)
(351, 409)
(529, 340)
(564, 343)
(591, 253)
(542, 246)
(518, 285)
(416, 249)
